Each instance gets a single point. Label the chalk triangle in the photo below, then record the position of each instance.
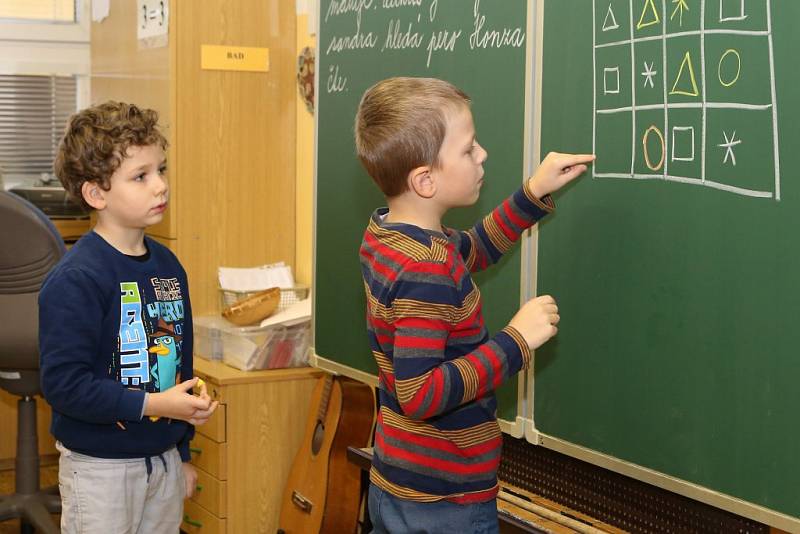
(611, 21)
(649, 15)
(685, 79)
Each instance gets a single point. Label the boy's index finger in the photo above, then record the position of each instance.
(575, 159)
(569, 161)
(186, 385)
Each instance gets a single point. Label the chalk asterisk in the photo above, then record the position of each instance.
(680, 6)
(728, 146)
(649, 73)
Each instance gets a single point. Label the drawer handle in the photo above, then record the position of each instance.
(195, 450)
(189, 520)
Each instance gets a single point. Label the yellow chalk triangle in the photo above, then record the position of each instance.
(682, 74)
(649, 16)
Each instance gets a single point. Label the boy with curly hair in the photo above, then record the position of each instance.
(115, 336)
(437, 440)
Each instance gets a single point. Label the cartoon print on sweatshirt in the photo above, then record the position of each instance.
(150, 336)
(134, 361)
(166, 369)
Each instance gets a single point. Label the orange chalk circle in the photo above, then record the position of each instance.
(647, 161)
(738, 67)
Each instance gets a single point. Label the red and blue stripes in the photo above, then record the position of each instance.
(437, 435)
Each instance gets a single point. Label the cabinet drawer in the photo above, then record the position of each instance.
(215, 391)
(215, 427)
(210, 456)
(211, 494)
(198, 520)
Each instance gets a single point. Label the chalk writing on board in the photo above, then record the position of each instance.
(335, 83)
(408, 26)
(693, 81)
(680, 7)
(649, 74)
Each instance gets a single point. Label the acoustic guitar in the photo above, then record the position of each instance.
(323, 492)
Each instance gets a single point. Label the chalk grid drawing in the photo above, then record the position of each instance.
(693, 81)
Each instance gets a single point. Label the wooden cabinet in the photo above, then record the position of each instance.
(71, 229)
(232, 134)
(244, 453)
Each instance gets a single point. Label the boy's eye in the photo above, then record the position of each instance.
(162, 170)
(140, 177)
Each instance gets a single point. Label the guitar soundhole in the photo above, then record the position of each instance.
(319, 435)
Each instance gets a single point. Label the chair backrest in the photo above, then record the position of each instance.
(29, 247)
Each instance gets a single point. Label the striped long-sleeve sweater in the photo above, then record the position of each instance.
(437, 435)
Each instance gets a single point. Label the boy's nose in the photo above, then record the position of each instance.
(162, 185)
(483, 155)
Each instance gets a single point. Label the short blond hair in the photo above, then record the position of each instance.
(400, 125)
(97, 139)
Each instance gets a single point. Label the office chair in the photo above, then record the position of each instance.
(29, 247)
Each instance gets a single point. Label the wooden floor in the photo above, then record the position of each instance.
(49, 477)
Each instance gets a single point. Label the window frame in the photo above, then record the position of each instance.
(42, 48)
(50, 49)
(57, 31)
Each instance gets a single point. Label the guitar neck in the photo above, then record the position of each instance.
(322, 410)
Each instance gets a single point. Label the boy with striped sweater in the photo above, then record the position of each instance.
(437, 441)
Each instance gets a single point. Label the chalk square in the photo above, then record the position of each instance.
(683, 143)
(611, 81)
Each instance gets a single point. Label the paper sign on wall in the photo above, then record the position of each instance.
(242, 58)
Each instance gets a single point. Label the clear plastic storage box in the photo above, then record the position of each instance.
(252, 347)
(208, 336)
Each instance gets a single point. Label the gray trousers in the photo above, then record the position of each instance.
(120, 496)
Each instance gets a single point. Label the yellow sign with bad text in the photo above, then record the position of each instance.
(242, 58)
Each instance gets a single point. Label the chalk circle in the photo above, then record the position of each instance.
(738, 60)
(647, 152)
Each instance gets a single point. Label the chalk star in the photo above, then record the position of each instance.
(649, 73)
(728, 146)
(679, 8)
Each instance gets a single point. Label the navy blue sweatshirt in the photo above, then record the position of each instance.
(112, 327)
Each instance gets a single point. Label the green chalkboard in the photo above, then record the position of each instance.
(677, 264)
(480, 46)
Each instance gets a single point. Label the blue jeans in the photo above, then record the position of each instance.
(390, 515)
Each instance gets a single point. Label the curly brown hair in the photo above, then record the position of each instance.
(97, 139)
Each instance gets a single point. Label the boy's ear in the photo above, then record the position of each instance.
(93, 195)
(421, 182)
